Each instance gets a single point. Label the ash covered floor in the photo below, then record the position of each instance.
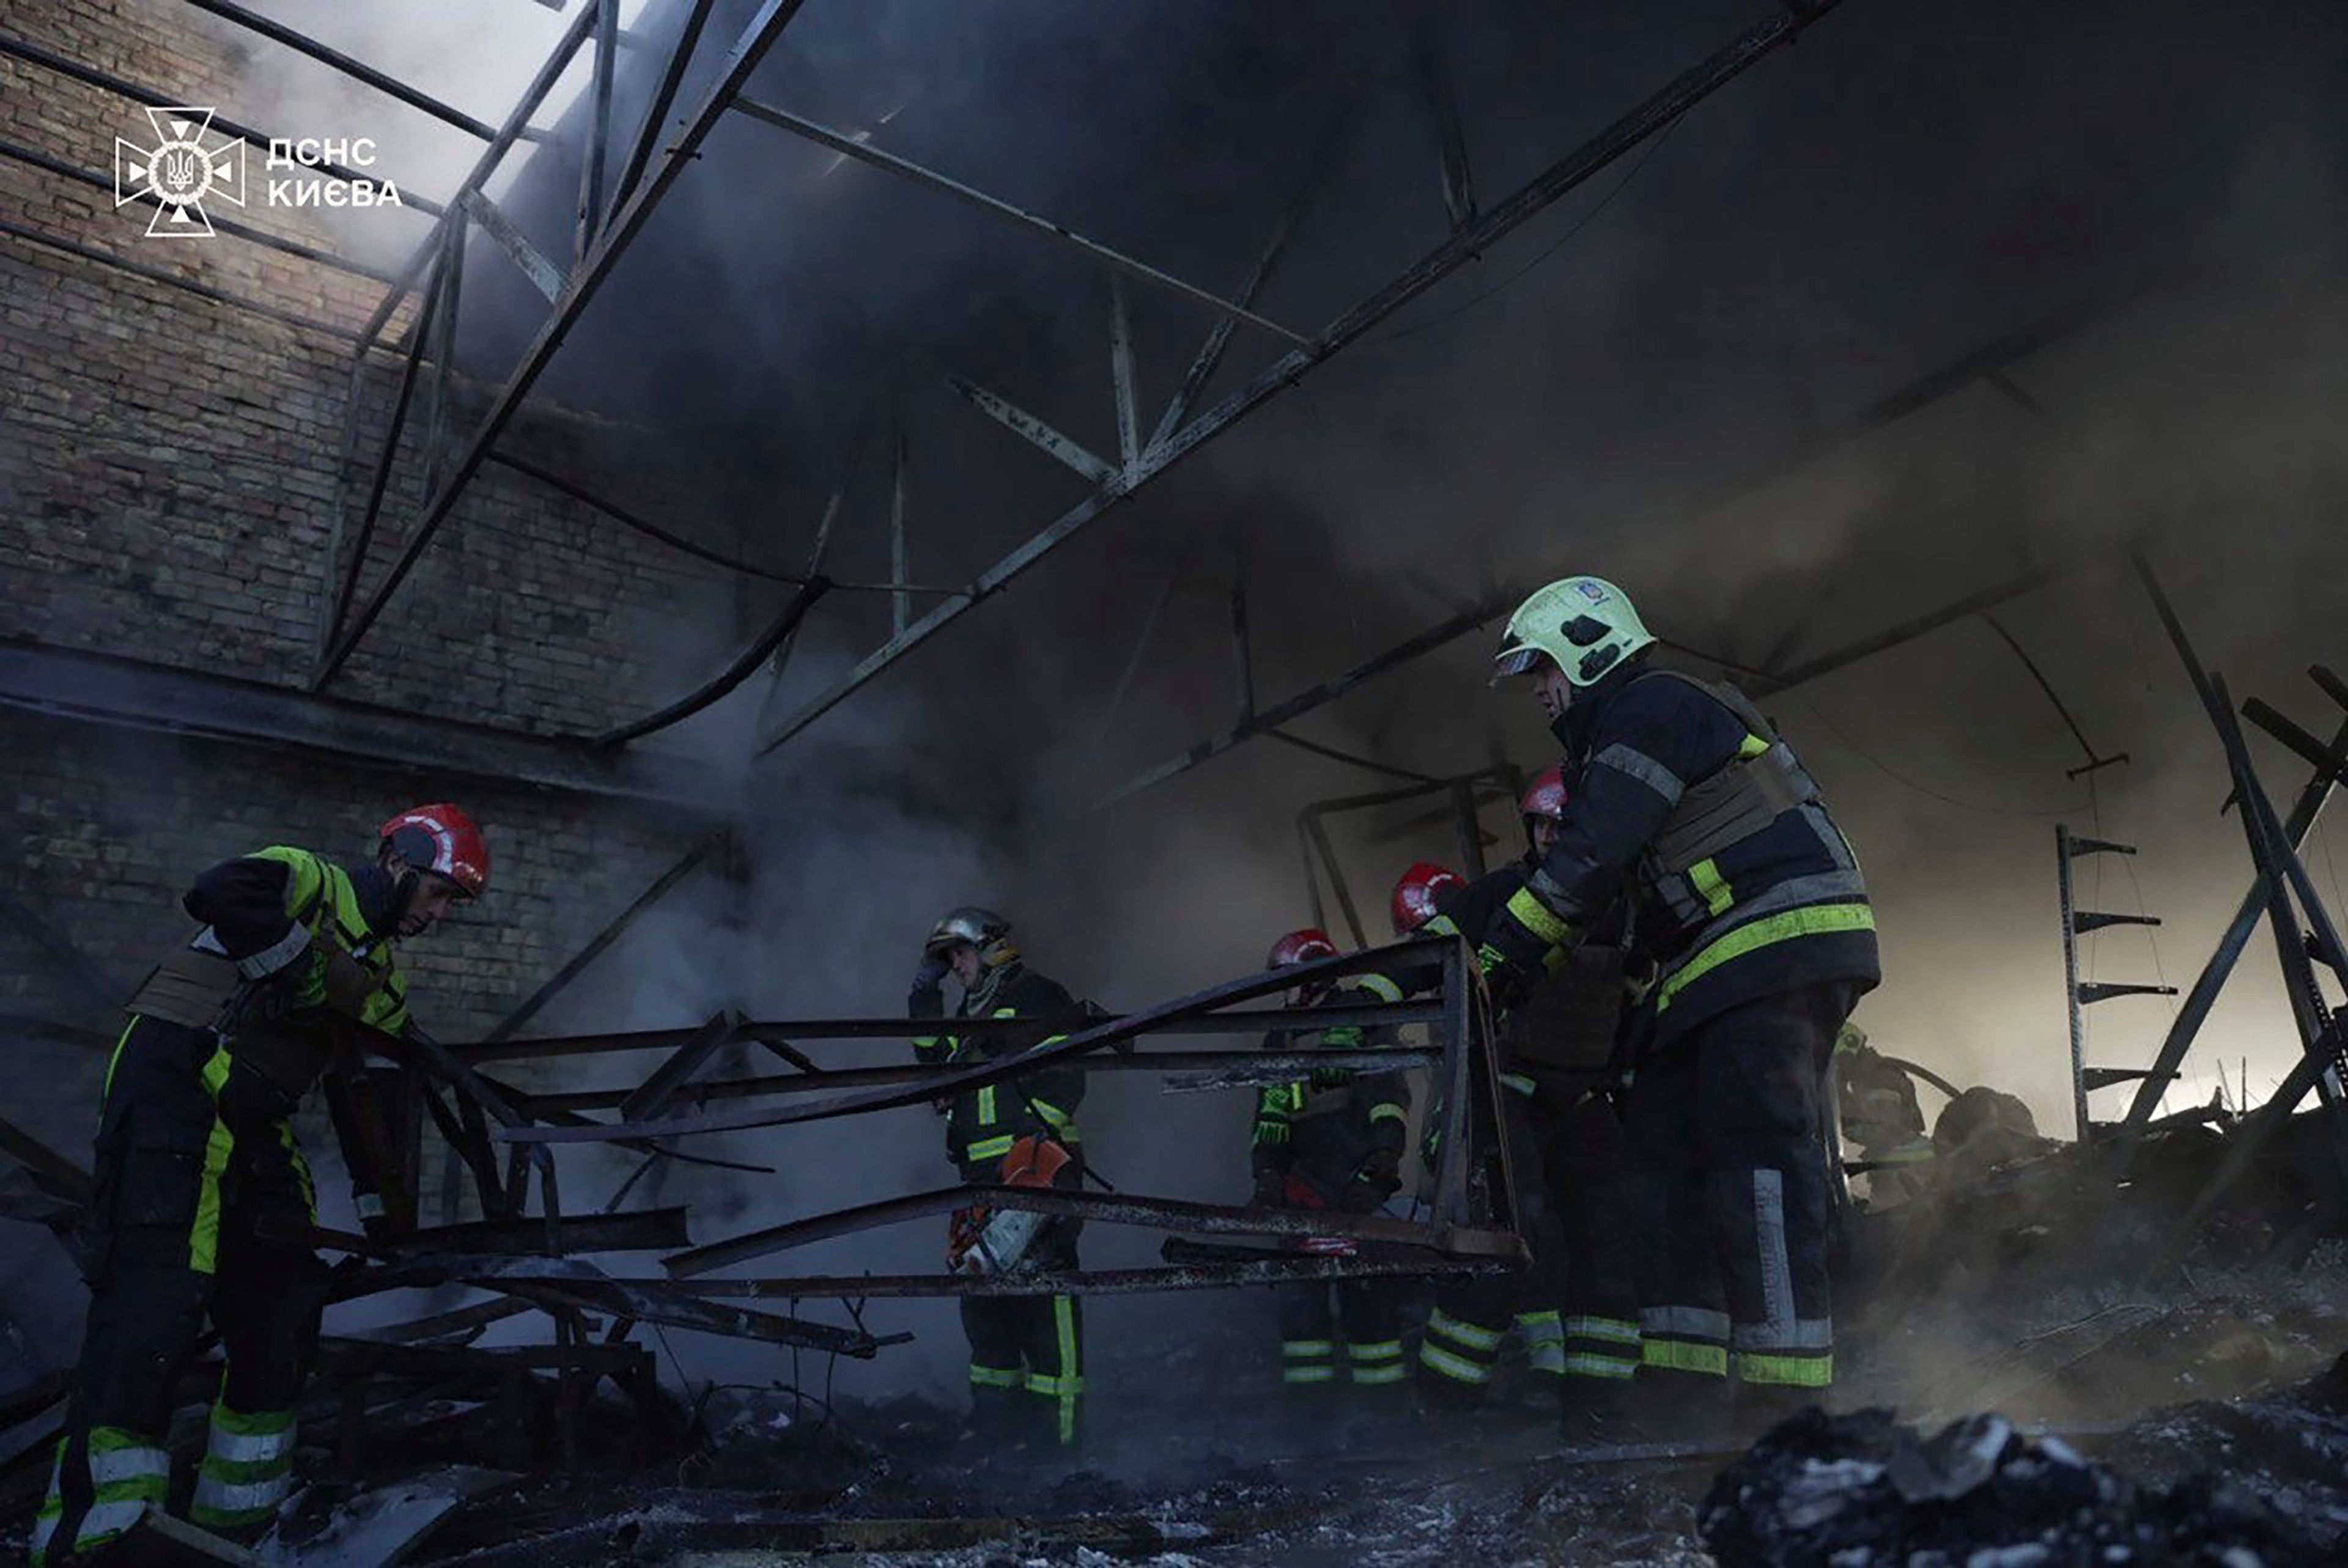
(2220, 1407)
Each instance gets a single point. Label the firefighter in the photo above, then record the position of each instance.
(1333, 1141)
(1471, 1319)
(1754, 906)
(1882, 1122)
(1561, 1039)
(1019, 1345)
(203, 1199)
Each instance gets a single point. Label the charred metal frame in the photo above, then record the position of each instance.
(2079, 995)
(1465, 795)
(2303, 936)
(1457, 1237)
(603, 239)
(608, 223)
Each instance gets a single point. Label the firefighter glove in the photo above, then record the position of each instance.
(347, 983)
(1271, 1130)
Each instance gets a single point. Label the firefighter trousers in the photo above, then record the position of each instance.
(1734, 1196)
(200, 1189)
(1471, 1319)
(1315, 1315)
(1027, 1352)
(1591, 1174)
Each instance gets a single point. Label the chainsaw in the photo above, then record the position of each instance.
(981, 1241)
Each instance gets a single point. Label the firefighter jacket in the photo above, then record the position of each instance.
(1333, 1140)
(1744, 886)
(304, 941)
(982, 1123)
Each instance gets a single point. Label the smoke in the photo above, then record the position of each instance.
(1598, 392)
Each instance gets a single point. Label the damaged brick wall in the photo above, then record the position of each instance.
(167, 469)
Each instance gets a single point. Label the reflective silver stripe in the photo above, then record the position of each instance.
(1582, 1365)
(105, 1520)
(1392, 1372)
(1467, 1334)
(1546, 1356)
(1770, 1237)
(128, 1464)
(1436, 1357)
(1812, 1334)
(260, 966)
(1637, 764)
(1537, 1327)
(1684, 1323)
(228, 1497)
(247, 1448)
(1613, 1329)
(44, 1527)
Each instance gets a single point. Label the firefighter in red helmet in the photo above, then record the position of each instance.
(1331, 1140)
(202, 1193)
(1543, 809)
(1563, 1036)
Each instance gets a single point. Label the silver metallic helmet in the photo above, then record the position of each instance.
(984, 929)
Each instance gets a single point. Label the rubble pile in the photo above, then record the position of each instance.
(1861, 1489)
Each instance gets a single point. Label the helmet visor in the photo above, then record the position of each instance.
(1513, 661)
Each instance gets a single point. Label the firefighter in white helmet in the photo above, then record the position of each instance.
(1749, 899)
(1027, 1352)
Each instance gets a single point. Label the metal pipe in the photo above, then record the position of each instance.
(1061, 448)
(900, 604)
(644, 526)
(517, 122)
(749, 50)
(1305, 702)
(680, 57)
(599, 126)
(983, 1074)
(389, 454)
(1658, 111)
(1120, 371)
(1236, 1066)
(359, 70)
(692, 861)
(745, 665)
(1209, 356)
(1112, 1208)
(1103, 1281)
(865, 152)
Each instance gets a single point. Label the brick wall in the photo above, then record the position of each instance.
(168, 464)
(167, 469)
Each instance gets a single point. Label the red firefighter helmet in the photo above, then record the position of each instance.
(1546, 798)
(441, 838)
(1301, 946)
(1413, 904)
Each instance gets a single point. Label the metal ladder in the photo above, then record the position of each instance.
(2077, 923)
